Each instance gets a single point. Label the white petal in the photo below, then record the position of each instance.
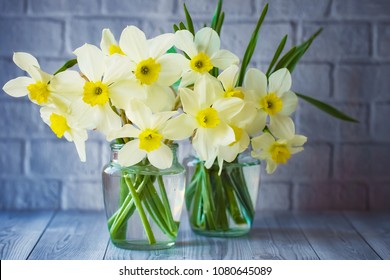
(208, 89)
(79, 138)
(203, 145)
(271, 166)
(228, 107)
(108, 120)
(172, 65)
(28, 63)
(118, 68)
(189, 78)
(125, 131)
(229, 77)
(160, 44)
(160, 98)
(290, 103)
(280, 81)
(108, 39)
(228, 153)
(133, 43)
(256, 81)
(18, 87)
(282, 126)
(69, 83)
(297, 140)
(139, 114)
(131, 154)
(179, 128)
(222, 135)
(121, 93)
(184, 40)
(262, 142)
(90, 60)
(223, 59)
(189, 101)
(207, 41)
(160, 119)
(258, 123)
(162, 157)
(84, 114)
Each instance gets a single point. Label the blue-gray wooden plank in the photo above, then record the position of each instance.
(73, 235)
(277, 236)
(20, 231)
(333, 238)
(375, 229)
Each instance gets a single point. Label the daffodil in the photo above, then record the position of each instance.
(273, 98)
(108, 44)
(210, 116)
(65, 125)
(154, 70)
(275, 152)
(38, 87)
(204, 53)
(104, 83)
(149, 131)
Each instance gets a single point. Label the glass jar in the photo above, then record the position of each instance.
(143, 204)
(222, 205)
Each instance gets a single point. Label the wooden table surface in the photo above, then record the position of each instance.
(275, 235)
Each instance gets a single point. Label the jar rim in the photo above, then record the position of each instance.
(118, 146)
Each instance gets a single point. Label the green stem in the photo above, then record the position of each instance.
(141, 212)
(166, 204)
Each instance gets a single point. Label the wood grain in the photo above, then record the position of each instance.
(375, 229)
(20, 231)
(277, 236)
(333, 238)
(73, 235)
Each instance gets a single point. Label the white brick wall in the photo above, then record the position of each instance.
(344, 166)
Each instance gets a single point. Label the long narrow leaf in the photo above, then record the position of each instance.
(70, 63)
(175, 28)
(286, 58)
(277, 54)
(216, 15)
(190, 24)
(251, 46)
(219, 24)
(182, 26)
(327, 108)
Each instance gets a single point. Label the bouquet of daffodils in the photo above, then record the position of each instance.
(146, 93)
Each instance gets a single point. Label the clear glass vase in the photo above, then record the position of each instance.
(222, 205)
(143, 204)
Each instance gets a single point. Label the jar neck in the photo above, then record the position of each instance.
(115, 148)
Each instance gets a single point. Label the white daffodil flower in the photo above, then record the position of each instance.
(204, 53)
(105, 80)
(108, 44)
(149, 132)
(275, 152)
(273, 99)
(154, 70)
(68, 126)
(38, 88)
(210, 116)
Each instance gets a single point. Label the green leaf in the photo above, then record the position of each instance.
(68, 64)
(172, 50)
(251, 46)
(189, 20)
(182, 26)
(277, 54)
(216, 15)
(285, 60)
(175, 28)
(220, 22)
(327, 108)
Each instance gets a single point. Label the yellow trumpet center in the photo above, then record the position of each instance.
(39, 92)
(271, 103)
(208, 118)
(201, 63)
(280, 153)
(147, 71)
(235, 93)
(115, 49)
(58, 124)
(150, 140)
(95, 93)
(238, 132)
